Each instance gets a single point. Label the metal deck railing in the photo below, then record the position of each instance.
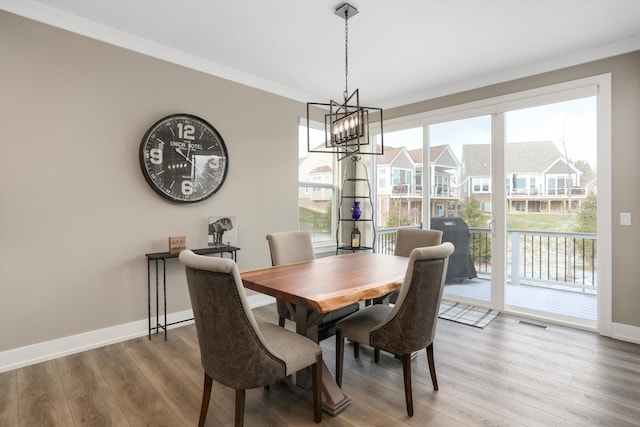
(548, 259)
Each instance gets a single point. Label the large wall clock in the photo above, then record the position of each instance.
(184, 158)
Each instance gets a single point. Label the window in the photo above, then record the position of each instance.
(481, 185)
(316, 189)
(439, 209)
(442, 185)
(382, 178)
(418, 182)
(557, 185)
(402, 180)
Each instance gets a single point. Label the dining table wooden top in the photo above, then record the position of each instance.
(326, 284)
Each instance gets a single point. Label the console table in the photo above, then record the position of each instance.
(163, 256)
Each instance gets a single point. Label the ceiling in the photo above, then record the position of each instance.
(399, 51)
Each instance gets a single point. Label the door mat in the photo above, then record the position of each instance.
(466, 314)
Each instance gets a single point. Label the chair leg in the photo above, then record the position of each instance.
(339, 356)
(432, 366)
(206, 396)
(356, 349)
(281, 321)
(406, 370)
(376, 355)
(316, 372)
(239, 408)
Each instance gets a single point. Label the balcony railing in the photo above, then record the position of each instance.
(401, 189)
(443, 191)
(548, 192)
(554, 260)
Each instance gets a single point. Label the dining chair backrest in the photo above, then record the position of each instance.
(410, 326)
(288, 247)
(227, 330)
(410, 238)
(407, 239)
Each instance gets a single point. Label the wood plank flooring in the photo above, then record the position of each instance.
(507, 374)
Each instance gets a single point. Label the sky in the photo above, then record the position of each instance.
(571, 124)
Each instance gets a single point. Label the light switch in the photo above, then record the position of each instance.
(625, 218)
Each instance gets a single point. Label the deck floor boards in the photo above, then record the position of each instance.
(562, 302)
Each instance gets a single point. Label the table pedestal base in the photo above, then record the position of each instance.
(334, 401)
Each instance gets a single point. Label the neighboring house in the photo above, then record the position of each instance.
(400, 182)
(444, 176)
(539, 178)
(396, 186)
(316, 169)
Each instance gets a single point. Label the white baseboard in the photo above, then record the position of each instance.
(41, 352)
(625, 333)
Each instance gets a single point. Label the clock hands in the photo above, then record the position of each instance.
(179, 151)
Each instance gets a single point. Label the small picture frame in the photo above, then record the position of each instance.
(223, 231)
(177, 244)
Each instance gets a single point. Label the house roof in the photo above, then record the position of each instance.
(416, 155)
(321, 169)
(522, 157)
(435, 152)
(390, 153)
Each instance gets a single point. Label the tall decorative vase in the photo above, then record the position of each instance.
(356, 211)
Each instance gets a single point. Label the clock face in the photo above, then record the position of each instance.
(184, 158)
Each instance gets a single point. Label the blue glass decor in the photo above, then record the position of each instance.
(356, 211)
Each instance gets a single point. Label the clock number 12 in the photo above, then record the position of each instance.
(186, 131)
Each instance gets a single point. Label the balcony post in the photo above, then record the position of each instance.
(515, 258)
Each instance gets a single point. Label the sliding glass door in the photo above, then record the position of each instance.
(551, 209)
(521, 184)
(525, 197)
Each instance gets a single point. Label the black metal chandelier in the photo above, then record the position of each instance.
(347, 125)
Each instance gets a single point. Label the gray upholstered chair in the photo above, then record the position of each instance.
(289, 247)
(408, 326)
(407, 240)
(235, 350)
(410, 238)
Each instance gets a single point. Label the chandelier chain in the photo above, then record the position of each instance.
(346, 54)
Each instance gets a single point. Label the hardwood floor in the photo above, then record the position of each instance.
(507, 374)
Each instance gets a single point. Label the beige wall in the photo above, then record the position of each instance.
(625, 154)
(77, 217)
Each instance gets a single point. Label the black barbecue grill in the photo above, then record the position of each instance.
(456, 231)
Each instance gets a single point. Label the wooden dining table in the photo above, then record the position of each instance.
(323, 285)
